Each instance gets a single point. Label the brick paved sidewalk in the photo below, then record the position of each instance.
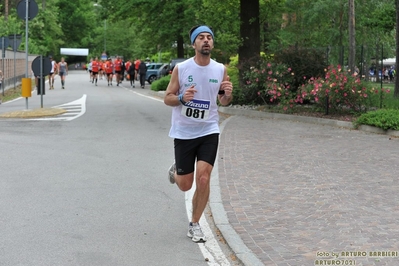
(298, 192)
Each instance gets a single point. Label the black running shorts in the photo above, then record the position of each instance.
(202, 148)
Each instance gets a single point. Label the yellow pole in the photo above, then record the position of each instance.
(26, 89)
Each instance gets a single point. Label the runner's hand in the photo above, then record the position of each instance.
(188, 95)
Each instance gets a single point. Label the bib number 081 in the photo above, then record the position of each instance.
(195, 113)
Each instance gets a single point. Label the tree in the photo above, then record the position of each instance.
(78, 21)
(249, 33)
(45, 33)
(352, 36)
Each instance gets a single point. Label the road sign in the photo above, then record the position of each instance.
(33, 9)
(46, 66)
(17, 41)
(4, 40)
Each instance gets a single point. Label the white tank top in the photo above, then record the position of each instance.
(198, 117)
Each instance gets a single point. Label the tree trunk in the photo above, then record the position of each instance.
(180, 47)
(396, 91)
(249, 33)
(6, 11)
(352, 37)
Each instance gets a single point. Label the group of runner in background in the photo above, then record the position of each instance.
(114, 69)
(110, 69)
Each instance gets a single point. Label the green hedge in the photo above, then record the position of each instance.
(383, 118)
(160, 84)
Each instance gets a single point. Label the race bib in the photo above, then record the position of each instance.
(196, 109)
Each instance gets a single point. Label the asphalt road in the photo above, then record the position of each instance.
(92, 190)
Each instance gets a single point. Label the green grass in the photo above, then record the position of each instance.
(12, 93)
(388, 101)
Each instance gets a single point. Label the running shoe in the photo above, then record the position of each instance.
(195, 233)
(171, 173)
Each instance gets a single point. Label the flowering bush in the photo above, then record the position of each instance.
(270, 83)
(339, 89)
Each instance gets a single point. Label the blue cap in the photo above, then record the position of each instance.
(198, 30)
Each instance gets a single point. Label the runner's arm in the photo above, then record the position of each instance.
(171, 94)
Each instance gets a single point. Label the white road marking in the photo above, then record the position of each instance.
(74, 109)
(210, 249)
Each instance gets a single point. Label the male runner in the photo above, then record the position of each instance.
(194, 86)
(118, 69)
(109, 68)
(95, 67)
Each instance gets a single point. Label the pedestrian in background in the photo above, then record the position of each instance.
(142, 73)
(193, 90)
(131, 71)
(109, 70)
(63, 71)
(136, 64)
(52, 73)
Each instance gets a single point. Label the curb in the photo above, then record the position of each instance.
(306, 119)
(234, 241)
(33, 113)
(294, 118)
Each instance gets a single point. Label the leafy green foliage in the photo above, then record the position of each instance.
(45, 33)
(383, 118)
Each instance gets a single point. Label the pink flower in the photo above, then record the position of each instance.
(285, 108)
(270, 72)
(345, 94)
(258, 93)
(257, 80)
(269, 65)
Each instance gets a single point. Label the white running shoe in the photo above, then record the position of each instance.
(195, 233)
(171, 173)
